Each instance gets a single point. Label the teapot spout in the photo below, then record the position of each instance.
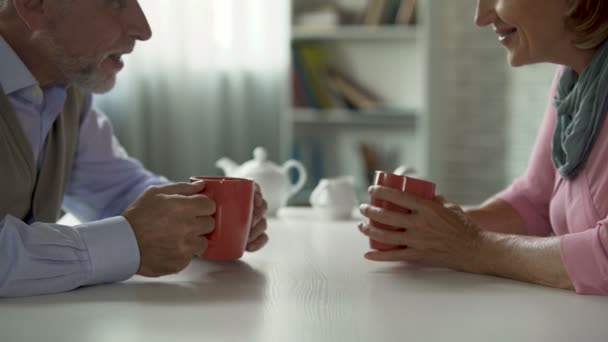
(228, 166)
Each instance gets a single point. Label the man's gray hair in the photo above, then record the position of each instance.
(3, 3)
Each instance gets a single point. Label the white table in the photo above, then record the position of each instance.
(310, 284)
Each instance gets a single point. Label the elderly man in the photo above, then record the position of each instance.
(57, 150)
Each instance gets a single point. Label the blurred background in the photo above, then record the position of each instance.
(345, 86)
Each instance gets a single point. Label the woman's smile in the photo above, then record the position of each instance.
(506, 35)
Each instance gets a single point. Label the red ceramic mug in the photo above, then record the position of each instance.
(418, 187)
(234, 209)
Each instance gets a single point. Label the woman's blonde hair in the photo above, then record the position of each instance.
(588, 19)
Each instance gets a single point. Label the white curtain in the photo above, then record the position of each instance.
(210, 83)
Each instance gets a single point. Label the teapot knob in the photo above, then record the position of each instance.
(260, 154)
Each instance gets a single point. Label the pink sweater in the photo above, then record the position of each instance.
(576, 209)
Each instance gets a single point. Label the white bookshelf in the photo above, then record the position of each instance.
(356, 33)
(392, 62)
(374, 118)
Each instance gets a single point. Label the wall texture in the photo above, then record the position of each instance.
(483, 115)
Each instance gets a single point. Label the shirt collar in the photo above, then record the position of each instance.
(14, 75)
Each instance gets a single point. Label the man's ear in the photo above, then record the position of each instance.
(34, 13)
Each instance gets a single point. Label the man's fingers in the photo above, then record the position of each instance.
(194, 205)
(183, 188)
(202, 225)
(258, 243)
(258, 230)
(258, 199)
(258, 213)
(196, 244)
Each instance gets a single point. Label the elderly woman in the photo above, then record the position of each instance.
(550, 226)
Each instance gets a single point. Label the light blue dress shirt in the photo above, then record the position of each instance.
(40, 258)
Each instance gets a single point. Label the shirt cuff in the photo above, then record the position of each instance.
(113, 250)
(584, 259)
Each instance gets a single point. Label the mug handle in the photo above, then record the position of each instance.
(302, 176)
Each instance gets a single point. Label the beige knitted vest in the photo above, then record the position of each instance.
(24, 192)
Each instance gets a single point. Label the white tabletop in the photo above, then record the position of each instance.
(310, 284)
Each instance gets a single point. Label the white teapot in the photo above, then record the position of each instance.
(273, 179)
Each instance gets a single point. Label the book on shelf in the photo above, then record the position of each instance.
(301, 94)
(377, 156)
(298, 96)
(356, 95)
(337, 99)
(303, 88)
(389, 12)
(374, 12)
(406, 14)
(314, 62)
(317, 84)
(370, 157)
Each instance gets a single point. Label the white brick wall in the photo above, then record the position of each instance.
(529, 93)
(483, 114)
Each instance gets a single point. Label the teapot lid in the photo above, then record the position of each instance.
(259, 163)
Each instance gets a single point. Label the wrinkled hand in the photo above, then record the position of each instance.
(436, 233)
(169, 223)
(257, 234)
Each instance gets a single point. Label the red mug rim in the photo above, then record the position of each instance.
(213, 178)
(390, 174)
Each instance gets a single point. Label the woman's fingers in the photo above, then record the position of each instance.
(400, 198)
(389, 237)
(403, 254)
(390, 218)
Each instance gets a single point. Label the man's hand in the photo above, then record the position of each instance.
(257, 234)
(169, 223)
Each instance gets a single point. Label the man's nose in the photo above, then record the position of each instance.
(136, 24)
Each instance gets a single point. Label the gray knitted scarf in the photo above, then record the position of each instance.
(581, 106)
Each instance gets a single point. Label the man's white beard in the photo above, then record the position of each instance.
(77, 70)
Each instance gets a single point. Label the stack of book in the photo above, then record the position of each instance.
(389, 12)
(318, 85)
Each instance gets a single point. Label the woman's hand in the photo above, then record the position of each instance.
(440, 234)
(436, 233)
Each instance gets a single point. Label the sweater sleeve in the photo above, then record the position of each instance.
(585, 256)
(530, 195)
(584, 252)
